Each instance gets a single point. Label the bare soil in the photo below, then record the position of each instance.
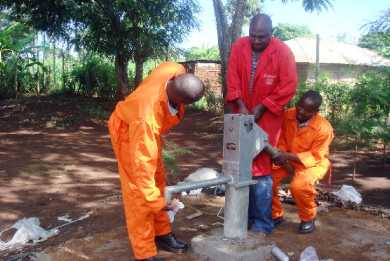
(56, 159)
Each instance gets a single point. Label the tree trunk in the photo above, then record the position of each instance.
(37, 86)
(237, 20)
(355, 160)
(384, 153)
(228, 34)
(54, 65)
(223, 46)
(43, 62)
(139, 71)
(37, 67)
(16, 82)
(121, 63)
(63, 68)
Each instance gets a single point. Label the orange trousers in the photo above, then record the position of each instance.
(302, 188)
(143, 224)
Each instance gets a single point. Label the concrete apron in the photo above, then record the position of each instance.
(215, 247)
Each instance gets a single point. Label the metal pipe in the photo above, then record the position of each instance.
(194, 185)
(279, 254)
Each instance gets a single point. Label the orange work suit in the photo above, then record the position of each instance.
(135, 128)
(311, 145)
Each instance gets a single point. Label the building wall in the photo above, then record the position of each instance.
(208, 72)
(335, 72)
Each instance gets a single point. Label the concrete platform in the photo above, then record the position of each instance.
(214, 247)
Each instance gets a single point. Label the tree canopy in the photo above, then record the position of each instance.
(378, 36)
(127, 30)
(377, 41)
(288, 31)
(202, 53)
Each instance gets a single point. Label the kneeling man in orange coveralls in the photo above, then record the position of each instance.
(135, 128)
(304, 143)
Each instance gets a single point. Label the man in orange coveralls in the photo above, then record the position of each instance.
(135, 128)
(261, 79)
(304, 142)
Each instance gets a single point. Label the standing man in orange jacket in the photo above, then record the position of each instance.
(304, 142)
(261, 80)
(135, 128)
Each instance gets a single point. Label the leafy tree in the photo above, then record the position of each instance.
(17, 57)
(378, 36)
(377, 41)
(371, 108)
(230, 16)
(126, 30)
(288, 31)
(93, 76)
(199, 53)
(382, 24)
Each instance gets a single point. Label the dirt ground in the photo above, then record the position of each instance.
(55, 160)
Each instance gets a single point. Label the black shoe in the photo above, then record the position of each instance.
(171, 244)
(278, 221)
(307, 227)
(153, 258)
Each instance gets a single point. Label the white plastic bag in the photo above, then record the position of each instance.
(202, 174)
(309, 254)
(172, 213)
(199, 175)
(348, 194)
(27, 230)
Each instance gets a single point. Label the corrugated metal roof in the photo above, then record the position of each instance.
(334, 52)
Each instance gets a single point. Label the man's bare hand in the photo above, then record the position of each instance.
(241, 107)
(289, 168)
(173, 204)
(258, 111)
(279, 158)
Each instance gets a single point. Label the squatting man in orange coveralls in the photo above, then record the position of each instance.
(304, 143)
(135, 128)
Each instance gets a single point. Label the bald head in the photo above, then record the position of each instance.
(185, 89)
(263, 21)
(260, 32)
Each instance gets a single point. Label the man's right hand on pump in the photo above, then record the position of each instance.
(172, 205)
(241, 107)
(279, 159)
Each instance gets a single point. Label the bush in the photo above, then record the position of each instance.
(371, 107)
(94, 77)
(336, 97)
(210, 101)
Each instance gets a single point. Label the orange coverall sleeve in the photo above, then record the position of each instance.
(282, 144)
(144, 155)
(319, 149)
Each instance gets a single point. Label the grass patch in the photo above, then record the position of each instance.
(170, 153)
